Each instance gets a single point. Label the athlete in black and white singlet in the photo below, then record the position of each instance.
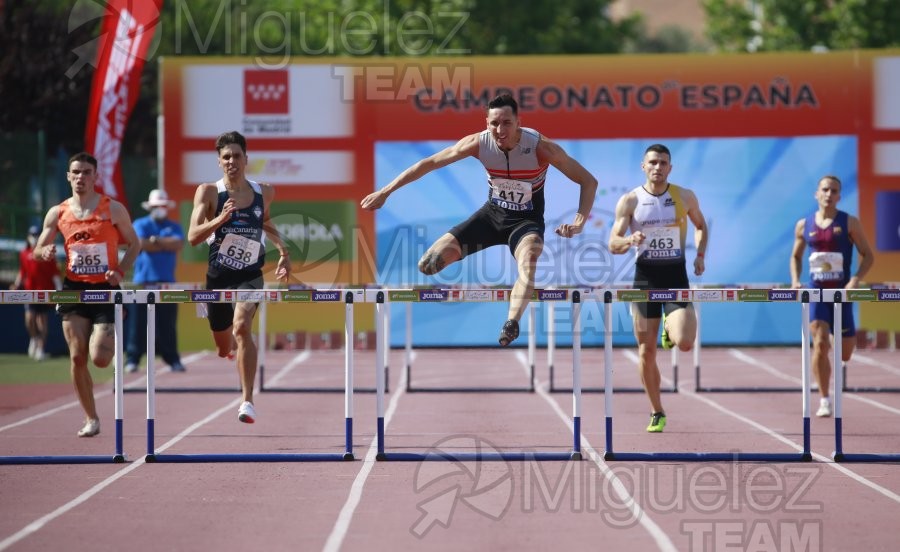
(238, 246)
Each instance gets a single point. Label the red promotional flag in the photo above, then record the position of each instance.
(125, 38)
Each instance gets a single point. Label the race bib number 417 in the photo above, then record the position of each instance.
(513, 195)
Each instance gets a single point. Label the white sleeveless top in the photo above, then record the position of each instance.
(663, 219)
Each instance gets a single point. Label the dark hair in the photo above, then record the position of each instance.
(84, 157)
(658, 148)
(504, 100)
(231, 137)
(830, 177)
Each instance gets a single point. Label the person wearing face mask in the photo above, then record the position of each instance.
(161, 238)
(39, 275)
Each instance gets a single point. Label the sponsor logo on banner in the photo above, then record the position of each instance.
(632, 295)
(330, 295)
(862, 295)
(753, 295)
(266, 92)
(251, 296)
(273, 296)
(455, 295)
(553, 294)
(502, 295)
(266, 101)
(17, 296)
(296, 296)
(403, 296)
(228, 296)
(662, 295)
(783, 294)
(707, 295)
(433, 295)
(174, 296)
(94, 296)
(729, 295)
(40, 296)
(479, 295)
(65, 297)
(204, 296)
(685, 295)
(889, 295)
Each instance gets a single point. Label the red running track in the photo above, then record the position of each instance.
(459, 505)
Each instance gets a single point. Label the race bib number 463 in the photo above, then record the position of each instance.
(513, 195)
(661, 244)
(237, 252)
(88, 258)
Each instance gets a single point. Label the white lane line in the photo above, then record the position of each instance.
(772, 370)
(863, 359)
(39, 523)
(345, 516)
(99, 395)
(824, 459)
(663, 542)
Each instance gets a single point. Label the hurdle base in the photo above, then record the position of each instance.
(35, 460)
(119, 459)
(708, 456)
(751, 390)
(615, 390)
(470, 389)
(316, 390)
(576, 455)
(871, 389)
(150, 458)
(348, 456)
(477, 456)
(185, 390)
(865, 457)
(250, 457)
(380, 457)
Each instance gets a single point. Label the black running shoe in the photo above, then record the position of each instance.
(509, 332)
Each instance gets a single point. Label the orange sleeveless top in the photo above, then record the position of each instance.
(91, 244)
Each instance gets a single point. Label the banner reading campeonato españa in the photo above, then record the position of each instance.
(125, 37)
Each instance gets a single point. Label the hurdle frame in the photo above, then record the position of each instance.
(412, 296)
(67, 296)
(838, 297)
(804, 296)
(263, 295)
(551, 353)
(382, 297)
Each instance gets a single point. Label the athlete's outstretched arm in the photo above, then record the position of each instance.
(467, 147)
(866, 258)
(550, 152)
(796, 264)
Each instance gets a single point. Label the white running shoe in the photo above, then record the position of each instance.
(131, 368)
(246, 413)
(32, 347)
(91, 428)
(824, 410)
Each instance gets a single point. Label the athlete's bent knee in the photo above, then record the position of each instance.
(431, 263)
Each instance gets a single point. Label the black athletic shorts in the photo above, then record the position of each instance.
(656, 276)
(221, 315)
(101, 313)
(492, 225)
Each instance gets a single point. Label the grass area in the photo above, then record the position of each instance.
(18, 369)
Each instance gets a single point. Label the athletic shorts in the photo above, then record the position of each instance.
(663, 276)
(825, 313)
(103, 313)
(492, 225)
(221, 315)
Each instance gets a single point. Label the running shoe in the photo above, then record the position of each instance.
(177, 366)
(91, 428)
(657, 422)
(824, 410)
(246, 413)
(131, 367)
(509, 332)
(664, 339)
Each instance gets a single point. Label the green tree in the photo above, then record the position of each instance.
(780, 25)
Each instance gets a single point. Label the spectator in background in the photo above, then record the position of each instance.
(161, 239)
(40, 275)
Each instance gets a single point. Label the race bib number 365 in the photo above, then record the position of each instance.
(513, 195)
(661, 244)
(238, 252)
(88, 258)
